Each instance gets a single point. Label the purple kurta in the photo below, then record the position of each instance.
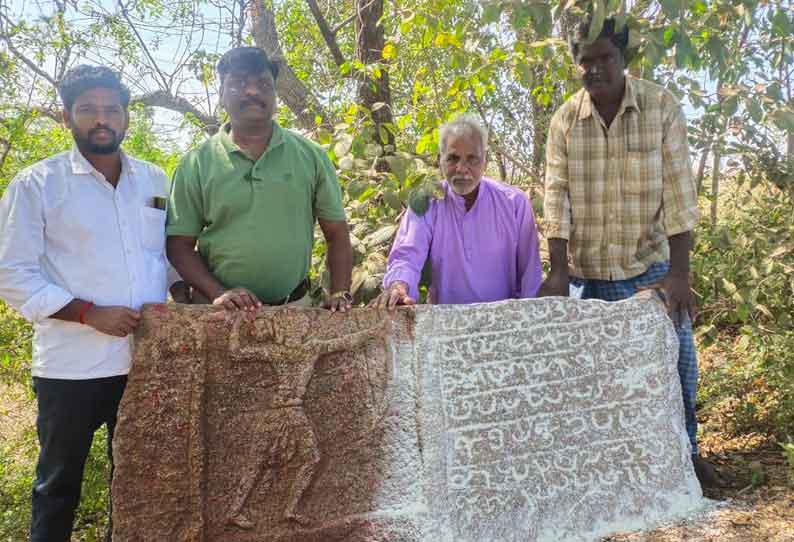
(489, 253)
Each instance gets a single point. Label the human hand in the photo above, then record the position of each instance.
(677, 296)
(237, 299)
(395, 294)
(339, 301)
(556, 284)
(115, 321)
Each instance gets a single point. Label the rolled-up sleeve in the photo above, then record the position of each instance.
(22, 284)
(679, 195)
(556, 202)
(409, 251)
(528, 265)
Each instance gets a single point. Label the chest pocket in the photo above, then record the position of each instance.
(153, 229)
(643, 174)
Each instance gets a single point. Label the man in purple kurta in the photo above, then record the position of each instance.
(481, 237)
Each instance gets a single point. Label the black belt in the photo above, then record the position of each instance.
(298, 293)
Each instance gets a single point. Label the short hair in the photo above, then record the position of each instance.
(465, 123)
(246, 60)
(618, 36)
(84, 77)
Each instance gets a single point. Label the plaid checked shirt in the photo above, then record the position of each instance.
(616, 194)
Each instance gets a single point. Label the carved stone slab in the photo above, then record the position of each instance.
(539, 420)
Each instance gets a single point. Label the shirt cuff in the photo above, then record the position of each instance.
(683, 221)
(409, 277)
(45, 303)
(556, 230)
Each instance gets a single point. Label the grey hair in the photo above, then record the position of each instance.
(464, 124)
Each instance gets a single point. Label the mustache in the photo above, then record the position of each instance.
(461, 178)
(251, 101)
(98, 129)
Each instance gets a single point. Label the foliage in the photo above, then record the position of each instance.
(744, 270)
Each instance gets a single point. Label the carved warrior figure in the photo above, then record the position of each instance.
(283, 436)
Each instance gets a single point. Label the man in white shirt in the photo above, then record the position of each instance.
(82, 249)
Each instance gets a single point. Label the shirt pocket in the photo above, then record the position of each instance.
(643, 181)
(153, 229)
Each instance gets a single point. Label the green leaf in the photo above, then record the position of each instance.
(671, 8)
(784, 119)
(419, 201)
(392, 200)
(730, 106)
(343, 144)
(491, 13)
(597, 24)
(684, 52)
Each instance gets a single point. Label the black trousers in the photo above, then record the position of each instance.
(70, 411)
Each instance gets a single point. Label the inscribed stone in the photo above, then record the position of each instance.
(534, 420)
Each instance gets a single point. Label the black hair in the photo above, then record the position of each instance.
(84, 77)
(246, 60)
(618, 36)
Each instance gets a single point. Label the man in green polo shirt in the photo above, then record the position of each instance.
(249, 196)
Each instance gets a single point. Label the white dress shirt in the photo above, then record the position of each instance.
(66, 233)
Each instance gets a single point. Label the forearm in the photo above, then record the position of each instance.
(340, 263)
(191, 267)
(558, 252)
(71, 312)
(679, 253)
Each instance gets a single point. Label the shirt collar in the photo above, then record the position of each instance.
(459, 201)
(230, 147)
(629, 100)
(81, 166)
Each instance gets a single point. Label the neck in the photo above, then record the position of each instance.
(613, 100)
(471, 197)
(252, 138)
(108, 165)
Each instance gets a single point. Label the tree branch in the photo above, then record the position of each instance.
(29, 63)
(328, 34)
(155, 67)
(162, 98)
(294, 93)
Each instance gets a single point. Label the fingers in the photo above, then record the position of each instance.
(395, 298)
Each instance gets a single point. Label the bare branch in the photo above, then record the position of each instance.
(161, 98)
(163, 78)
(29, 63)
(328, 34)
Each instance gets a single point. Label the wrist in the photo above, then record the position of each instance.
(342, 294)
(85, 312)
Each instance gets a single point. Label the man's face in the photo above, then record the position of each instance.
(249, 97)
(463, 162)
(98, 121)
(600, 65)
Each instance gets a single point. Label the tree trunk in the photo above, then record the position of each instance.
(702, 165)
(291, 90)
(715, 183)
(370, 40)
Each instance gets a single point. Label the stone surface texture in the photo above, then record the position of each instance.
(537, 420)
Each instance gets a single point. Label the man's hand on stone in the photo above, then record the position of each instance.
(116, 321)
(678, 296)
(395, 294)
(339, 301)
(556, 284)
(237, 299)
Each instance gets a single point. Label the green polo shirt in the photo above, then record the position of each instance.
(255, 220)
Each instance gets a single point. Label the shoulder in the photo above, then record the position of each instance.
(506, 192)
(567, 112)
(302, 145)
(650, 95)
(45, 173)
(149, 174)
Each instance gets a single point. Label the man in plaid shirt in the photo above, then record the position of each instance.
(620, 199)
